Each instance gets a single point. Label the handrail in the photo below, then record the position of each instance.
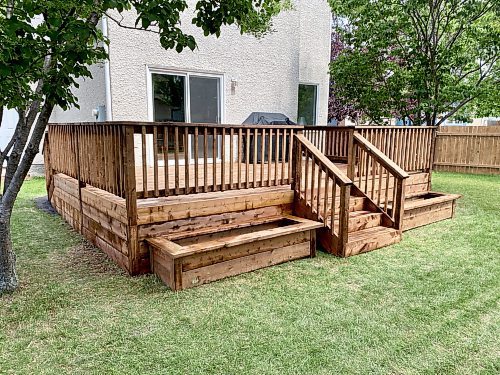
(342, 178)
(381, 157)
(322, 192)
(328, 127)
(380, 179)
(151, 124)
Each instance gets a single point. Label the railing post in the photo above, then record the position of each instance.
(432, 156)
(296, 159)
(130, 198)
(345, 196)
(351, 155)
(399, 204)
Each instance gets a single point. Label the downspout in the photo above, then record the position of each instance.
(107, 74)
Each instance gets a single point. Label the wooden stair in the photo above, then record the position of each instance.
(187, 260)
(367, 229)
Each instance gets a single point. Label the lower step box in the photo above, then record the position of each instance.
(193, 261)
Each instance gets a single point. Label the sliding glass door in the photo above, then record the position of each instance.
(186, 97)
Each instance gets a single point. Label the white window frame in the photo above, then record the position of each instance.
(316, 110)
(150, 70)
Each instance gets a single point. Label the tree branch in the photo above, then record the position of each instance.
(120, 24)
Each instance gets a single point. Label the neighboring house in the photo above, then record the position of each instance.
(223, 81)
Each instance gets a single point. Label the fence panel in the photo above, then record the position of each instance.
(468, 149)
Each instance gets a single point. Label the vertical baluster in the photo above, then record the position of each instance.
(155, 160)
(255, 143)
(325, 197)
(176, 158)
(306, 174)
(262, 156)
(290, 156)
(386, 199)
(214, 160)
(165, 161)
(247, 159)
(205, 159)
(186, 160)
(313, 180)
(223, 160)
(240, 146)
(318, 198)
(144, 163)
(374, 172)
(379, 187)
(196, 161)
(334, 203)
(276, 158)
(269, 156)
(231, 159)
(367, 169)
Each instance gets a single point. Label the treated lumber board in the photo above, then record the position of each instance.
(190, 225)
(221, 255)
(409, 205)
(224, 228)
(110, 237)
(245, 264)
(247, 237)
(415, 220)
(371, 239)
(213, 206)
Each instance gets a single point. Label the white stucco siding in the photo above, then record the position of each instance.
(266, 70)
(91, 94)
(315, 50)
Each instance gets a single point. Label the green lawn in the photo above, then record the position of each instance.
(429, 305)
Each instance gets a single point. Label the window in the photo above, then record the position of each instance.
(308, 99)
(185, 97)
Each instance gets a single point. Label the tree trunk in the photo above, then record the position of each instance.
(8, 276)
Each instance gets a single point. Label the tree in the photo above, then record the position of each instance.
(423, 60)
(46, 45)
(338, 108)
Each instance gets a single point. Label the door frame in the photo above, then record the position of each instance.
(154, 69)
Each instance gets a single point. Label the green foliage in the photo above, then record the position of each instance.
(65, 36)
(418, 59)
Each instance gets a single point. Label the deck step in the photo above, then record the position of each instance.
(371, 238)
(359, 220)
(202, 258)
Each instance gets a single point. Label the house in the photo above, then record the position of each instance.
(223, 81)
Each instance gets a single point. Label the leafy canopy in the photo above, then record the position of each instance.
(416, 58)
(54, 41)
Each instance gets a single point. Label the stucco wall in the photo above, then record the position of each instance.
(315, 50)
(267, 71)
(90, 94)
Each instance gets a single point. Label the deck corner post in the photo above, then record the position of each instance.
(351, 155)
(399, 204)
(345, 196)
(130, 199)
(432, 156)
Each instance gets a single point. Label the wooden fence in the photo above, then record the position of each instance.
(468, 149)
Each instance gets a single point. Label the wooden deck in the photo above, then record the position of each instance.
(196, 224)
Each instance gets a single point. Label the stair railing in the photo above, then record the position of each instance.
(322, 191)
(379, 178)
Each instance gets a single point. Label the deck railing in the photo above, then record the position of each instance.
(379, 178)
(92, 153)
(196, 158)
(408, 146)
(164, 159)
(332, 141)
(323, 189)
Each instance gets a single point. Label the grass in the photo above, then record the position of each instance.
(429, 305)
